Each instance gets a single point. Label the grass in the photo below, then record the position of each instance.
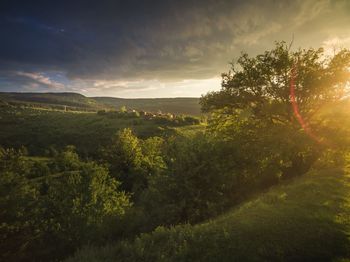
(189, 130)
(39, 129)
(307, 219)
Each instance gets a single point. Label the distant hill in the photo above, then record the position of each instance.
(71, 100)
(76, 101)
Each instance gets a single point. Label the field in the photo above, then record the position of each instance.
(39, 129)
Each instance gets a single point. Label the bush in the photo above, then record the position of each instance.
(48, 217)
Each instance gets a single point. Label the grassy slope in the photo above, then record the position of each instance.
(305, 220)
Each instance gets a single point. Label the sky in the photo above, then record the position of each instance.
(155, 48)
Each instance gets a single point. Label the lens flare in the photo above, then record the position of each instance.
(305, 126)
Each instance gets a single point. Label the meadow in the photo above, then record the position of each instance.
(39, 129)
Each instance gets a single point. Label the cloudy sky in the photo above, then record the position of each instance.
(152, 48)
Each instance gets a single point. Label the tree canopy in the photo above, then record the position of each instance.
(262, 84)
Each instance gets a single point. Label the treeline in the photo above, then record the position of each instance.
(24, 105)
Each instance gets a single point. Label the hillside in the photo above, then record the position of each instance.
(38, 129)
(75, 101)
(305, 220)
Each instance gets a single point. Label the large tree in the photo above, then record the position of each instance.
(270, 106)
(262, 83)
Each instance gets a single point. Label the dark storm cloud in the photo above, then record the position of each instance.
(118, 38)
(83, 37)
(159, 39)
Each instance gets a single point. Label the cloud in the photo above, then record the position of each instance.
(103, 45)
(310, 10)
(153, 88)
(41, 79)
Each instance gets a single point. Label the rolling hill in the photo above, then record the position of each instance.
(50, 99)
(75, 101)
(307, 219)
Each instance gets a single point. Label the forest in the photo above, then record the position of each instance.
(263, 174)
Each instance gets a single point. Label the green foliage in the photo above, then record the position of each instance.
(18, 206)
(132, 160)
(48, 216)
(94, 193)
(268, 149)
(306, 220)
(262, 83)
(123, 109)
(197, 183)
(124, 157)
(153, 155)
(254, 107)
(40, 130)
(207, 174)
